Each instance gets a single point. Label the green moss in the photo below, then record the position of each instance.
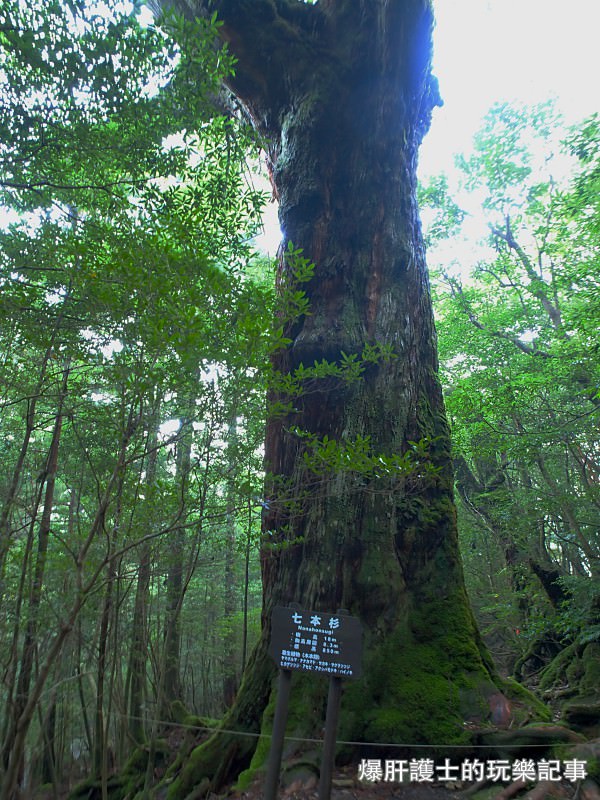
(261, 753)
(428, 513)
(117, 786)
(83, 790)
(528, 701)
(428, 679)
(137, 761)
(590, 660)
(177, 711)
(580, 667)
(574, 672)
(193, 721)
(229, 750)
(426, 712)
(374, 575)
(446, 624)
(128, 782)
(189, 777)
(424, 682)
(555, 672)
(593, 768)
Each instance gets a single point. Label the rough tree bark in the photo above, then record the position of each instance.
(342, 92)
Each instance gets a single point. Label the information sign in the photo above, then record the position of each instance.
(310, 641)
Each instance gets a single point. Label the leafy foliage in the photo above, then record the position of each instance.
(134, 341)
(519, 355)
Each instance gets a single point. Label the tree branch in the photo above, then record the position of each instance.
(457, 291)
(271, 40)
(536, 281)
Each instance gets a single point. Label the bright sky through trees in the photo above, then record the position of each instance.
(488, 51)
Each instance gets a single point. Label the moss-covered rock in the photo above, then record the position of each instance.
(590, 660)
(573, 678)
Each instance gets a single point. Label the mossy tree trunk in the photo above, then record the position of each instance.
(342, 92)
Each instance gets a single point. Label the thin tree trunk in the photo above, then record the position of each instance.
(172, 689)
(74, 503)
(29, 648)
(139, 634)
(48, 728)
(100, 757)
(246, 583)
(13, 488)
(230, 679)
(16, 745)
(139, 654)
(10, 679)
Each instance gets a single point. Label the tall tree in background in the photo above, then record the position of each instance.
(342, 93)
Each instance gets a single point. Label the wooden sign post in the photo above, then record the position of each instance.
(331, 722)
(325, 644)
(278, 735)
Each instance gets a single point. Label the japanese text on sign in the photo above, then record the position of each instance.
(310, 641)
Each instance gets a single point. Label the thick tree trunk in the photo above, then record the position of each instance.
(342, 91)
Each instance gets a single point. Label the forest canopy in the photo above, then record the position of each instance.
(137, 320)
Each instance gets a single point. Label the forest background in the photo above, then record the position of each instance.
(136, 328)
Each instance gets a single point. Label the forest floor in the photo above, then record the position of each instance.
(347, 787)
